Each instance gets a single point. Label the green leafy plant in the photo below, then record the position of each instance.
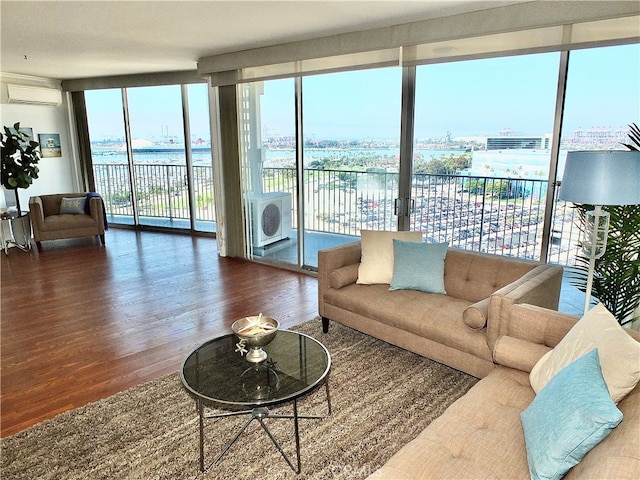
(616, 279)
(634, 137)
(20, 156)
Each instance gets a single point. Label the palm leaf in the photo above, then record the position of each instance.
(634, 136)
(616, 280)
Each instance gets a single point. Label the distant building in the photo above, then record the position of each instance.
(521, 163)
(519, 143)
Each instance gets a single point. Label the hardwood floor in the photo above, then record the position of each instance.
(80, 322)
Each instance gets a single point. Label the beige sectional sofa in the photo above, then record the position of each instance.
(481, 435)
(460, 328)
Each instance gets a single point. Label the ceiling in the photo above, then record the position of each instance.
(82, 39)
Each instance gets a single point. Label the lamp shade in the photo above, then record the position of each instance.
(601, 177)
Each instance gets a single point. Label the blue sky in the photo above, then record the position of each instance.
(478, 97)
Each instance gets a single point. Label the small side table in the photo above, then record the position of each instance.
(15, 231)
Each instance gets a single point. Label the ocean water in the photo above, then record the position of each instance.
(272, 158)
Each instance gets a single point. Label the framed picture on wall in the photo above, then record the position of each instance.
(26, 130)
(50, 145)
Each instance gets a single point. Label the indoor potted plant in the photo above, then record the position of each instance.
(20, 156)
(616, 279)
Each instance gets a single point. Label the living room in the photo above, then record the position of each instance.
(232, 242)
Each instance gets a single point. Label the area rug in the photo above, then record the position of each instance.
(382, 397)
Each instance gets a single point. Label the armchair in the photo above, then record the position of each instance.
(50, 224)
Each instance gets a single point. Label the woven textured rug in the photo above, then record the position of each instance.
(381, 396)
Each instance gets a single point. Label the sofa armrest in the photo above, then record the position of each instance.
(538, 325)
(36, 214)
(517, 353)
(331, 259)
(96, 212)
(36, 210)
(540, 286)
(530, 332)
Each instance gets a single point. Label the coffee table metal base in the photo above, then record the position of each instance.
(259, 414)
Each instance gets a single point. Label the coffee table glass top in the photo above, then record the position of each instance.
(215, 372)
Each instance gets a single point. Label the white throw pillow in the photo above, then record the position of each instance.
(376, 263)
(619, 353)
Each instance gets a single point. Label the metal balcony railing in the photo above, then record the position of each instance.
(162, 191)
(496, 215)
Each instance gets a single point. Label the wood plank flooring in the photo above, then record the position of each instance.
(80, 322)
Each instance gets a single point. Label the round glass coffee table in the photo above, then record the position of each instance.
(217, 375)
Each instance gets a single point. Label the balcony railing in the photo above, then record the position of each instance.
(161, 191)
(488, 214)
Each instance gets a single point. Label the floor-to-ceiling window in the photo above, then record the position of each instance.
(151, 155)
(200, 141)
(351, 157)
(268, 144)
(159, 156)
(482, 146)
(109, 153)
(316, 180)
(602, 100)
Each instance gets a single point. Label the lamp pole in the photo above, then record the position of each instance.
(594, 244)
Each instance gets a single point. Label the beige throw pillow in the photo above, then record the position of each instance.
(376, 263)
(619, 353)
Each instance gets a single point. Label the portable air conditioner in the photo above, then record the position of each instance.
(271, 218)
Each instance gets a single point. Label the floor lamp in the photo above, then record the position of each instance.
(599, 178)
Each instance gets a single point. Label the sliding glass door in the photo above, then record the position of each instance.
(109, 156)
(482, 150)
(269, 173)
(159, 157)
(151, 154)
(320, 161)
(351, 155)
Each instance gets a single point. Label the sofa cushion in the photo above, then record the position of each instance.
(418, 266)
(73, 205)
(430, 315)
(618, 456)
(475, 276)
(478, 436)
(376, 265)
(571, 415)
(619, 353)
(481, 436)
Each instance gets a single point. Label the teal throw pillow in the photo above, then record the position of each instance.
(73, 205)
(418, 266)
(569, 416)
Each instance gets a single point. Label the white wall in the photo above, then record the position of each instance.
(57, 175)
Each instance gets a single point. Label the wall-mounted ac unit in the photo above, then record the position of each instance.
(34, 95)
(271, 218)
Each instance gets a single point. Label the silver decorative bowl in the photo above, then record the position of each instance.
(255, 332)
